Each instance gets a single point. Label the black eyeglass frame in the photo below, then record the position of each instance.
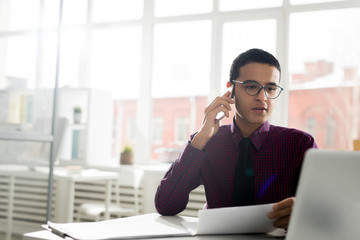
(261, 87)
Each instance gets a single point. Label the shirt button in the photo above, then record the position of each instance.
(191, 154)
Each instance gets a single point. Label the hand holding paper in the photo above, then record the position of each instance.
(232, 220)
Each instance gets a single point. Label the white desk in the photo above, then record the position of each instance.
(46, 235)
(65, 190)
(143, 226)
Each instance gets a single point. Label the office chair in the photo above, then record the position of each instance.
(129, 182)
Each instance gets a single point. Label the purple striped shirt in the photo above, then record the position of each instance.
(277, 154)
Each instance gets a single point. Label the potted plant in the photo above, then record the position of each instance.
(77, 114)
(127, 155)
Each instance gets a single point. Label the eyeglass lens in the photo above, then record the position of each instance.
(253, 88)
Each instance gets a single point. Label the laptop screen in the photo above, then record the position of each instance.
(327, 204)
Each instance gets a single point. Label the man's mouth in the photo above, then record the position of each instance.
(259, 109)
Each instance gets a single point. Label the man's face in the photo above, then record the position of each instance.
(254, 110)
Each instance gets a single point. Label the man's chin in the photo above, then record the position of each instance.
(258, 120)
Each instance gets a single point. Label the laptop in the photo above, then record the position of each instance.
(327, 204)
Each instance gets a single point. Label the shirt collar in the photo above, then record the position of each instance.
(257, 138)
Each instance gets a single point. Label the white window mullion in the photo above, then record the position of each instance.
(323, 6)
(280, 114)
(216, 52)
(144, 106)
(84, 61)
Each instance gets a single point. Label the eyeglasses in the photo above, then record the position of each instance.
(253, 88)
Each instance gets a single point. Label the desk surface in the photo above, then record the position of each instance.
(142, 227)
(46, 235)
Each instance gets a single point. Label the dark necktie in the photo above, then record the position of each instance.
(244, 182)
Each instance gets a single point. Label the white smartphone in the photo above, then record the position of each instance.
(220, 116)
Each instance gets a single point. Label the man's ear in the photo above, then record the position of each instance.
(229, 84)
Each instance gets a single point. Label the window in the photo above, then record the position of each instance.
(330, 132)
(158, 131)
(231, 5)
(311, 126)
(181, 71)
(116, 67)
(74, 12)
(131, 130)
(181, 59)
(297, 2)
(19, 15)
(167, 59)
(117, 10)
(20, 65)
(181, 7)
(240, 36)
(72, 43)
(182, 129)
(124, 125)
(325, 73)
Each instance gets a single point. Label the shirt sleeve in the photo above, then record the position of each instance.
(307, 142)
(183, 176)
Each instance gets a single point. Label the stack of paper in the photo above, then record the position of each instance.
(233, 220)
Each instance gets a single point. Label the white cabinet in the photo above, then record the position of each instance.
(89, 141)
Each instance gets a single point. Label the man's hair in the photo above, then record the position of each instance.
(253, 55)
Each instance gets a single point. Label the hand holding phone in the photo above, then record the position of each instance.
(221, 107)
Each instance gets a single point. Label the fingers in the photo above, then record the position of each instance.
(222, 111)
(227, 94)
(282, 212)
(210, 123)
(282, 222)
(220, 104)
(286, 203)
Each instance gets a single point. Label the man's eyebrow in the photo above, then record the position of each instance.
(268, 84)
(250, 80)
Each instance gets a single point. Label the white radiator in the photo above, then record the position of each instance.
(22, 203)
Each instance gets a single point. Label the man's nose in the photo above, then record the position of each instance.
(261, 95)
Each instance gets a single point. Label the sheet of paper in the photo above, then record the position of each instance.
(248, 219)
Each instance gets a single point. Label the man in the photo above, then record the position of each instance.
(248, 162)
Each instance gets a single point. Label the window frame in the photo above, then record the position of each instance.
(144, 116)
